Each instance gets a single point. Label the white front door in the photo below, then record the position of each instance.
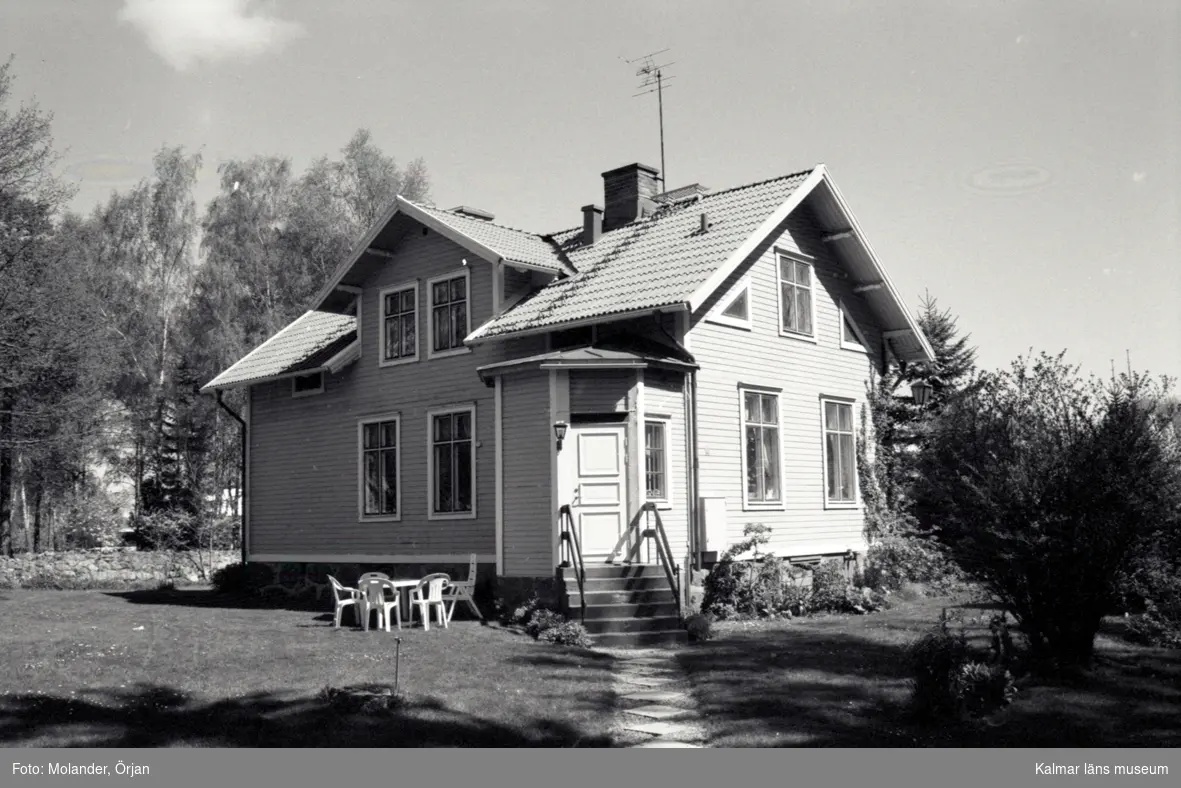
(593, 473)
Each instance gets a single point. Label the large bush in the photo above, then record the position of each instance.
(1044, 487)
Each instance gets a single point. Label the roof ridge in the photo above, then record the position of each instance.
(669, 204)
(530, 233)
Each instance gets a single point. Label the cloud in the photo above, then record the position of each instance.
(188, 32)
(1139, 176)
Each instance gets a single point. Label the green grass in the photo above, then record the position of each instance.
(192, 668)
(841, 681)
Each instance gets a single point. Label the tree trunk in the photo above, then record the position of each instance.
(37, 498)
(6, 520)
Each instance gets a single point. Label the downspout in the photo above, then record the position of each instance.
(245, 434)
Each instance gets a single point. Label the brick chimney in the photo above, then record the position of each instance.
(592, 224)
(628, 193)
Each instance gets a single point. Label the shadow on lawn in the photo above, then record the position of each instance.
(155, 716)
(818, 684)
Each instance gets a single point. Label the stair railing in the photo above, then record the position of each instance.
(573, 557)
(634, 537)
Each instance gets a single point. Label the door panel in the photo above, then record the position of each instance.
(594, 483)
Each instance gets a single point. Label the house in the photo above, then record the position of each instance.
(706, 352)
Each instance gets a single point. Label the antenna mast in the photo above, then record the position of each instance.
(652, 79)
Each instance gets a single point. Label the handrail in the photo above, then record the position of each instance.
(671, 570)
(574, 550)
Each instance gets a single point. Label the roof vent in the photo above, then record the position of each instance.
(592, 224)
(705, 222)
(474, 213)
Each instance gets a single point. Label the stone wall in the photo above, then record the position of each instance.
(118, 567)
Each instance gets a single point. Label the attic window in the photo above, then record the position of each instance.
(851, 337)
(307, 385)
(572, 337)
(734, 309)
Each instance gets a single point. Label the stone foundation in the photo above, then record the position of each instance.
(115, 567)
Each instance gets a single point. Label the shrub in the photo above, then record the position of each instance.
(700, 628)
(239, 578)
(541, 620)
(567, 633)
(898, 559)
(1153, 591)
(948, 683)
(1044, 487)
(829, 586)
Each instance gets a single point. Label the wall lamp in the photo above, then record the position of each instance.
(560, 432)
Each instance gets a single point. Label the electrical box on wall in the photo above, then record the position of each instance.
(712, 528)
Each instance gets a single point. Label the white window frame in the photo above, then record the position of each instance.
(469, 408)
(795, 257)
(824, 431)
(381, 296)
(716, 314)
(428, 299)
(309, 392)
(664, 502)
(399, 451)
(747, 504)
(845, 344)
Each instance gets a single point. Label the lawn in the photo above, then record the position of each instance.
(840, 681)
(192, 668)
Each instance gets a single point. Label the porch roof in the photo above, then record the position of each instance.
(625, 353)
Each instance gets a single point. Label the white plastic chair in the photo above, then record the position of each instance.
(429, 594)
(343, 597)
(456, 592)
(372, 598)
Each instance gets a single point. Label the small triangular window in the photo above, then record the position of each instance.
(851, 334)
(851, 337)
(739, 308)
(735, 309)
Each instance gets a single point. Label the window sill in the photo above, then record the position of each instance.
(303, 394)
(380, 518)
(855, 348)
(801, 337)
(845, 505)
(745, 326)
(397, 362)
(763, 507)
(452, 515)
(459, 351)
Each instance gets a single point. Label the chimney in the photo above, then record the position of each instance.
(592, 224)
(628, 193)
(472, 213)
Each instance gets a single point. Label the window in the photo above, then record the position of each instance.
(449, 313)
(452, 460)
(795, 296)
(840, 461)
(572, 337)
(734, 309)
(656, 460)
(399, 317)
(306, 385)
(761, 463)
(851, 338)
(380, 468)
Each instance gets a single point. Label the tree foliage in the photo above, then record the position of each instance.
(1044, 485)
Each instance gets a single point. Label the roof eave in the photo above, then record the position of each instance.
(880, 270)
(478, 336)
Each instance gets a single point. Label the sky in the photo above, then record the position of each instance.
(1020, 161)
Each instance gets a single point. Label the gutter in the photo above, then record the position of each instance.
(245, 434)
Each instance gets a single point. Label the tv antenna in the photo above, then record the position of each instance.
(652, 79)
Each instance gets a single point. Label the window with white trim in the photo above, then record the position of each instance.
(795, 296)
(735, 309)
(381, 468)
(840, 453)
(656, 476)
(399, 320)
(450, 320)
(762, 464)
(452, 460)
(851, 337)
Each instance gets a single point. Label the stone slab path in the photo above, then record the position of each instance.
(657, 709)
